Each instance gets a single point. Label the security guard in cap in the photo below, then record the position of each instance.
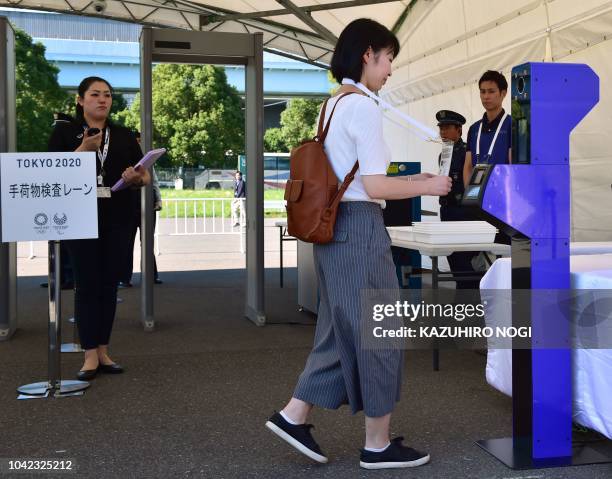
(450, 124)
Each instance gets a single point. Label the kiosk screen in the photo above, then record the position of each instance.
(473, 192)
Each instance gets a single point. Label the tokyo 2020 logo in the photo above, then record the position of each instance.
(41, 219)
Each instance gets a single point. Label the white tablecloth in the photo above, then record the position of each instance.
(592, 368)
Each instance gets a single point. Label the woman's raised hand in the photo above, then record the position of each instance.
(90, 143)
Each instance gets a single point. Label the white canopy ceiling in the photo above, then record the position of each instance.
(446, 46)
(445, 43)
(304, 29)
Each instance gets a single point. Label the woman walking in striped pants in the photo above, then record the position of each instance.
(340, 369)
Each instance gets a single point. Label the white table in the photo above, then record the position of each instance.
(591, 368)
(434, 251)
(586, 248)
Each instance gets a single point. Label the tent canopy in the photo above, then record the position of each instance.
(445, 46)
(303, 29)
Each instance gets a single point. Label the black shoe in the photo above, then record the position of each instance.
(395, 456)
(297, 436)
(158, 281)
(110, 368)
(87, 374)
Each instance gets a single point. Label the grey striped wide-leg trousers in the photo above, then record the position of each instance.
(339, 369)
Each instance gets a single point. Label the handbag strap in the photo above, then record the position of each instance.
(322, 132)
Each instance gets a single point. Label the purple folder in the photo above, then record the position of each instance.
(147, 160)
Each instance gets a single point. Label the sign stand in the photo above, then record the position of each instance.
(54, 385)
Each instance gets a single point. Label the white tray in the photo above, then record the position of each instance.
(454, 232)
(404, 233)
(457, 230)
(442, 227)
(453, 224)
(456, 238)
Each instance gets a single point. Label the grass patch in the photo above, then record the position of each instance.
(201, 205)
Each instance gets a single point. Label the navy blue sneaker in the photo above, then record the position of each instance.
(297, 436)
(395, 456)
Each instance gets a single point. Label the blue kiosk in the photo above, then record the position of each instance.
(530, 201)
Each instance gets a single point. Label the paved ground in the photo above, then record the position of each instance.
(180, 252)
(198, 389)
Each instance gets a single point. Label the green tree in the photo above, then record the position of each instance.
(119, 104)
(38, 94)
(197, 115)
(273, 140)
(298, 121)
(129, 117)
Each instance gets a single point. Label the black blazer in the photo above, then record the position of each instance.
(123, 151)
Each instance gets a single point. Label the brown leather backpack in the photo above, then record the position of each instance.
(312, 192)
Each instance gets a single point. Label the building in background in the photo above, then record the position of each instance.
(83, 46)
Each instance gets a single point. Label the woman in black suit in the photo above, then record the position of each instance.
(97, 262)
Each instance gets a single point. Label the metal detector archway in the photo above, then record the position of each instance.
(182, 46)
(8, 139)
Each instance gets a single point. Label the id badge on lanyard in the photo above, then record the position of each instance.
(487, 157)
(102, 157)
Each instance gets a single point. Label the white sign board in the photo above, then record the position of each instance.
(48, 196)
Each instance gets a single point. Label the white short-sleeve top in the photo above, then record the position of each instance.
(356, 133)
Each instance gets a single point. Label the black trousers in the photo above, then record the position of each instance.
(460, 262)
(96, 264)
(128, 267)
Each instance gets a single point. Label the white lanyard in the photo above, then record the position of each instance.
(499, 126)
(431, 135)
(104, 153)
(101, 157)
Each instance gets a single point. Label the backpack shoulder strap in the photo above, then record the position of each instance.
(321, 120)
(321, 135)
(343, 187)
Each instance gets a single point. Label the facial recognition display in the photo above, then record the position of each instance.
(473, 192)
(48, 196)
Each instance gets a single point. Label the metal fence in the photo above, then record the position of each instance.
(202, 216)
